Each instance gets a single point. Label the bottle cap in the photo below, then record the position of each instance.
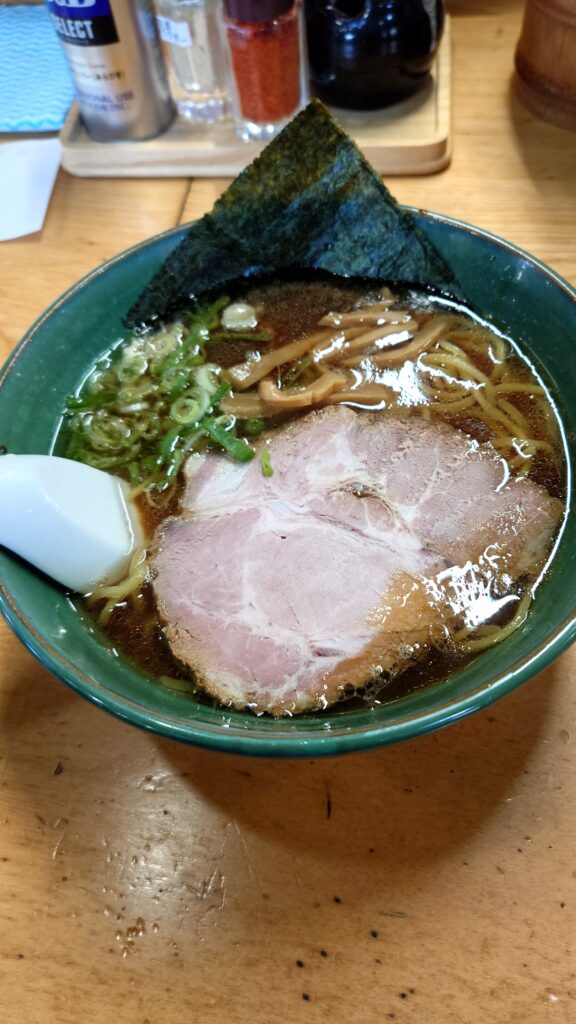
(256, 10)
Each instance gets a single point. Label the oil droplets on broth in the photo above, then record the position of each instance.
(380, 476)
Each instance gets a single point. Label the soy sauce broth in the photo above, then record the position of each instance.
(289, 309)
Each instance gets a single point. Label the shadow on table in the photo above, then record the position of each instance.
(405, 802)
(548, 153)
(243, 861)
(400, 805)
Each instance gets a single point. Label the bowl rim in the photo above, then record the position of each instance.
(336, 740)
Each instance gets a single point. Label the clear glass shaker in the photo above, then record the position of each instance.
(196, 57)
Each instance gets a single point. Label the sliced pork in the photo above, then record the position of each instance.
(374, 534)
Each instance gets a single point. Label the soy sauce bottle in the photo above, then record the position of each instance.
(366, 54)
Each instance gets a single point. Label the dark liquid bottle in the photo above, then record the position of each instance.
(366, 54)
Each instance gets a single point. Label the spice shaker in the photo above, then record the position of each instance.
(366, 54)
(113, 51)
(196, 57)
(269, 69)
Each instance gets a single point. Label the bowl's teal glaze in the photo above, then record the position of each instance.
(521, 296)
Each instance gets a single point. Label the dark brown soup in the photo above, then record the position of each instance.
(220, 377)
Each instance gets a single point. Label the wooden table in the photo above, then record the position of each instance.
(432, 882)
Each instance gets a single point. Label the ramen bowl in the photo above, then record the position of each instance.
(513, 291)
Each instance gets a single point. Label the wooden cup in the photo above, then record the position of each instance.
(545, 77)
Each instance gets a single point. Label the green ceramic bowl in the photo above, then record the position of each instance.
(520, 295)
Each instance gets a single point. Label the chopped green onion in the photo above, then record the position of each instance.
(130, 368)
(226, 421)
(190, 407)
(210, 315)
(197, 336)
(220, 393)
(152, 400)
(295, 372)
(233, 445)
(168, 444)
(173, 467)
(253, 427)
(133, 474)
(267, 469)
(205, 375)
(241, 335)
(92, 402)
(134, 392)
(108, 431)
(105, 462)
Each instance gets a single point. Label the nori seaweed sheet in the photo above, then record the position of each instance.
(310, 200)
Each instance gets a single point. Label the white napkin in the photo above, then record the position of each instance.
(28, 171)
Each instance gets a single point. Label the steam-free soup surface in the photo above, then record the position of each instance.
(323, 367)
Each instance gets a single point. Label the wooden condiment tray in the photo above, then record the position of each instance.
(412, 137)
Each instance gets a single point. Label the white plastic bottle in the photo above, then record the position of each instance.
(114, 54)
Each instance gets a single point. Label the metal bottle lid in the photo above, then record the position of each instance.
(256, 10)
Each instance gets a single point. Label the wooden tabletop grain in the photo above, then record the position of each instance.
(143, 882)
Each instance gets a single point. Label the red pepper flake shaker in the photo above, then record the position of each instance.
(267, 51)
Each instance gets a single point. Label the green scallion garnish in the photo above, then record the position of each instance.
(233, 445)
(267, 469)
(153, 400)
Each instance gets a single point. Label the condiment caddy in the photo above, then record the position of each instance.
(410, 137)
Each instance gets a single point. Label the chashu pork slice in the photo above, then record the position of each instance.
(372, 533)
